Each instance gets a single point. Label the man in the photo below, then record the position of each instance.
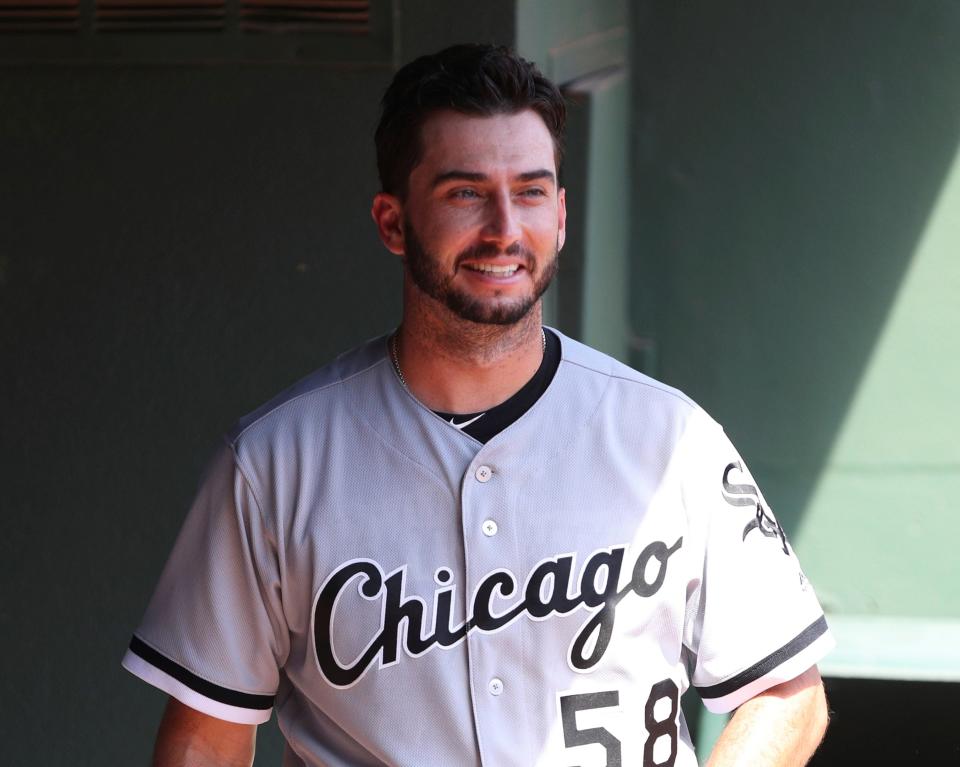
(475, 541)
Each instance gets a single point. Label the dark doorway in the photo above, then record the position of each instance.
(879, 722)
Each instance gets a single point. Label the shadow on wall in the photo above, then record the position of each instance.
(179, 243)
(786, 164)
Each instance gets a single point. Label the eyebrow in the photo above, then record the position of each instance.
(464, 175)
(535, 175)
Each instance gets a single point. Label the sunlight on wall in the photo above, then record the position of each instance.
(879, 534)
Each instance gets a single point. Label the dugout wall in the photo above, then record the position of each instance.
(795, 248)
(766, 216)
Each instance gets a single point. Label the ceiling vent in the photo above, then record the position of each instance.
(159, 15)
(334, 32)
(283, 16)
(39, 16)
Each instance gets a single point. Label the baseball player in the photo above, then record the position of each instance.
(474, 541)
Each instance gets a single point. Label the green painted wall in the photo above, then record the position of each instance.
(796, 269)
(569, 39)
(592, 288)
(177, 244)
(895, 459)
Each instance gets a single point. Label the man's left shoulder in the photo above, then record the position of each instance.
(622, 379)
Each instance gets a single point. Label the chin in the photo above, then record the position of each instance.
(486, 312)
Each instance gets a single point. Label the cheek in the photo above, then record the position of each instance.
(548, 234)
(448, 232)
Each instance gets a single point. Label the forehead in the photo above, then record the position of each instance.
(511, 143)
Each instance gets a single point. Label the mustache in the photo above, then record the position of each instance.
(490, 250)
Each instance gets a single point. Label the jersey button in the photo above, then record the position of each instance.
(496, 686)
(483, 474)
(489, 528)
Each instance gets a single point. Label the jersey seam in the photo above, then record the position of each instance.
(358, 414)
(538, 404)
(281, 555)
(684, 448)
(313, 390)
(433, 413)
(567, 343)
(238, 463)
(664, 388)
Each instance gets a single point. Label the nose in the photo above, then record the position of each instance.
(502, 225)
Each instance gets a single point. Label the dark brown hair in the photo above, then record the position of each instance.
(472, 79)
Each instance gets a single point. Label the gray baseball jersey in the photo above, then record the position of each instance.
(404, 595)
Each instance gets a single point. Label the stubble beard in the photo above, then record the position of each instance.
(427, 274)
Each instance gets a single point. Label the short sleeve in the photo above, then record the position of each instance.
(213, 635)
(754, 620)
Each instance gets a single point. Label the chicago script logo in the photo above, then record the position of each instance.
(546, 592)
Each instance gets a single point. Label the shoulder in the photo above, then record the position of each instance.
(635, 391)
(313, 399)
(634, 414)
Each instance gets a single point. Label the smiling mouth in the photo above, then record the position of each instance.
(499, 271)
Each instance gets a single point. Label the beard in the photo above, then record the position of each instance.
(428, 275)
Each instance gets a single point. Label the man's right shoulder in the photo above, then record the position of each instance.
(321, 390)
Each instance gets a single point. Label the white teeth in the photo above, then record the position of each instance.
(503, 271)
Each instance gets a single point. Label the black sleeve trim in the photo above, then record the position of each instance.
(195, 683)
(804, 639)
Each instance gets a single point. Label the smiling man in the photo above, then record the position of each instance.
(475, 541)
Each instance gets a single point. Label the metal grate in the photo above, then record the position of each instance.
(39, 15)
(207, 31)
(344, 16)
(159, 15)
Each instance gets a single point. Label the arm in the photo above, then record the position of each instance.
(187, 738)
(780, 727)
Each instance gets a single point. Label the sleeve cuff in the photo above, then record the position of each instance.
(156, 669)
(791, 660)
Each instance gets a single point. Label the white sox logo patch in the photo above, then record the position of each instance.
(553, 576)
(748, 495)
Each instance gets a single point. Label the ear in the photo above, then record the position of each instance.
(387, 213)
(561, 218)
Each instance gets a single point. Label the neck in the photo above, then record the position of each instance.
(458, 366)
